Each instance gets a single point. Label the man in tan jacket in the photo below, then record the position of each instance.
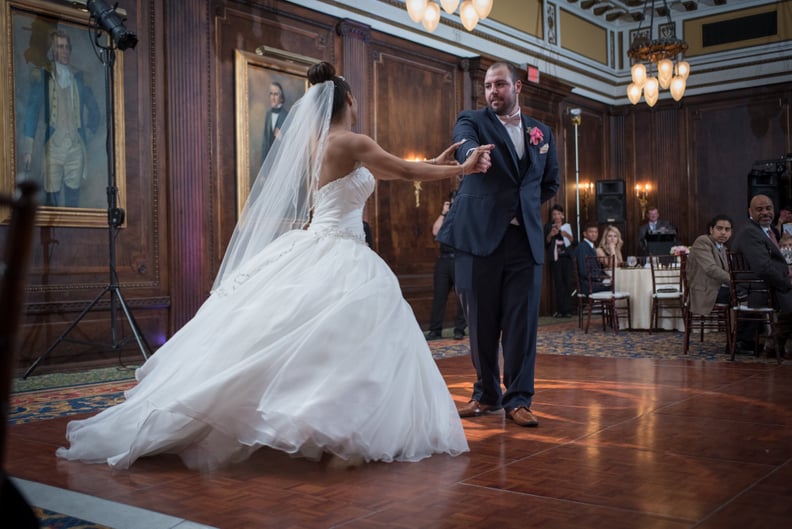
(707, 269)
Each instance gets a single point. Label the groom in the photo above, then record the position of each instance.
(495, 227)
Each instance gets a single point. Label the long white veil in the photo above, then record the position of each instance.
(283, 193)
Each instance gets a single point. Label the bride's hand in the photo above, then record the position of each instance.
(447, 156)
(479, 160)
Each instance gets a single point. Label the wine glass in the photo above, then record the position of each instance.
(632, 261)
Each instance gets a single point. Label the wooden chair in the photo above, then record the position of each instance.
(751, 301)
(13, 270)
(581, 297)
(719, 319)
(666, 288)
(611, 303)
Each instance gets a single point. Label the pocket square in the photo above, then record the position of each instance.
(544, 149)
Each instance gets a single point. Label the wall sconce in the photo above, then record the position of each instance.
(642, 192)
(417, 191)
(585, 189)
(416, 184)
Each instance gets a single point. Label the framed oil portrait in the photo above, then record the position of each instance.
(54, 112)
(268, 82)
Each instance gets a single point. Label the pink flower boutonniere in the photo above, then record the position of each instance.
(536, 136)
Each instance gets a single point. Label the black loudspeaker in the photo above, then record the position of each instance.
(765, 183)
(611, 202)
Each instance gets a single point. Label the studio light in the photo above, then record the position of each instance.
(110, 21)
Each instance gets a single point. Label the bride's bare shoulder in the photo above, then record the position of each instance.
(339, 159)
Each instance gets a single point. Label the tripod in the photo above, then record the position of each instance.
(115, 218)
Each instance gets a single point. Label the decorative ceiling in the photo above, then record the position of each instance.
(584, 42)
(634, 11)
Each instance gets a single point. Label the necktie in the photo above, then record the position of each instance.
(772, 237)
(652, 227)
(722, 255)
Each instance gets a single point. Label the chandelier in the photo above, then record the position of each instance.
(658, 53)
(427, 12)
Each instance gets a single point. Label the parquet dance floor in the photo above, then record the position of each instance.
(623, 443)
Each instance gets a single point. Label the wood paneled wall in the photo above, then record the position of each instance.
(181, 168)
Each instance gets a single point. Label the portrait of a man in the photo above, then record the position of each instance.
(61, 104)
(270, 97)
(275, 117)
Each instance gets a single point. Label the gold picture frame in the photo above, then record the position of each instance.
(34, 144)
(257, 74)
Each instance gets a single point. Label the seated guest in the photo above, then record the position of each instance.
(654, 227)
(707, 269)
(586, 249)
(611, 244)
(758, 242)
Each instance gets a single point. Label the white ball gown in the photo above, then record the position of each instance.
(309, 348)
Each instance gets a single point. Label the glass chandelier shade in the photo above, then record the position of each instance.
(449, 6)
(638, 72)
(416, 8)
(428, 13)
(431, 17)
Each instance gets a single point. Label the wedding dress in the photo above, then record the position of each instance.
(307, 348)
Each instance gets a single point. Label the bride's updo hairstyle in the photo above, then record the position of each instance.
(324, 71)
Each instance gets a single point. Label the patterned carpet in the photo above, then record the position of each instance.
(566, 339)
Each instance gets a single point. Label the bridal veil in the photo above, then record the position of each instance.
(282, 195)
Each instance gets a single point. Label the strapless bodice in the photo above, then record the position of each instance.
(339, 205)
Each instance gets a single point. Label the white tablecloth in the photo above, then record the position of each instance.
(638, 282)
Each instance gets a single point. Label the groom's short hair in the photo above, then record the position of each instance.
(513, 73)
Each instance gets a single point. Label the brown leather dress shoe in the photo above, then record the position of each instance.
(522, 416)
(474, 409)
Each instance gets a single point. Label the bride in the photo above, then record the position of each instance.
(305, 344)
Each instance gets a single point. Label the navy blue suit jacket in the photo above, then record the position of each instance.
(584, 250)
(485, 203)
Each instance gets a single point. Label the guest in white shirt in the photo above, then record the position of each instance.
(559, 243)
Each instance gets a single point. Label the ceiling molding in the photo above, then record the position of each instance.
(715, 72)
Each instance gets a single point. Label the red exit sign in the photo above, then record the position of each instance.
(533, 74)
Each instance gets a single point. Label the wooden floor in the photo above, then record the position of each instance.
(623, 443)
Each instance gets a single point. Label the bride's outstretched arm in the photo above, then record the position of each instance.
(386, 166)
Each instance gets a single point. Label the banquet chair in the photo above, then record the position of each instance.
(611, 303)
(581, 297)
(13, 269)
(751, 301)
(666, 288)
(719, 319)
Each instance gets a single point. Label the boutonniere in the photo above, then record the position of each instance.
(535, 135)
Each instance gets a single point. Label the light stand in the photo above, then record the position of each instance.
(575, 113)
(116, 35)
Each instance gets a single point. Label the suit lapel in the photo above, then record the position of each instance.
(530, 150)
(719, 257)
